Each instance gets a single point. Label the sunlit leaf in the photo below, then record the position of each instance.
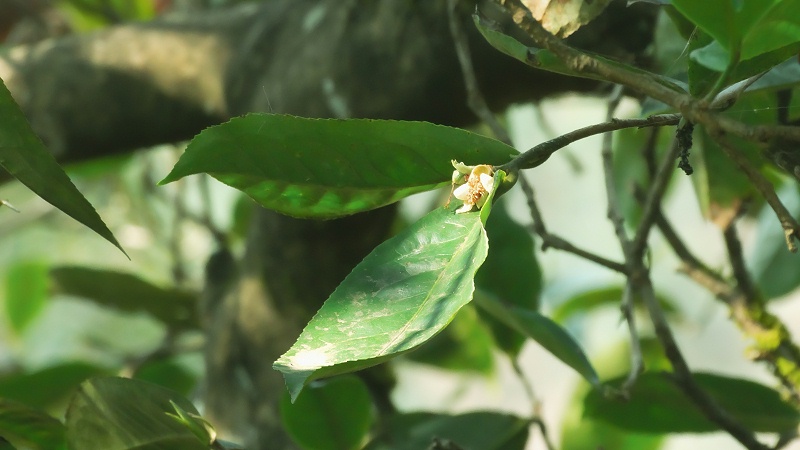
(26, 293)
(510, 272)
(473, 431)
(658, 405)
(46, 386)
(547, 333)
(403, 293)
(24, 156)
(328, 168)
(334, 414)
(36, 430)
(122, 414)
(126, 292)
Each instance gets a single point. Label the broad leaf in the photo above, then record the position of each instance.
(122, 414)
(326, 168)
(658, 405)
(473, 431)
(24, 156)
(26, 293)
(170, 374)
(125, 292)
(334, 414)
(590, 300)
(44, 387)
(403, 293)
(547, 333)
(30, 428)
(511, 272)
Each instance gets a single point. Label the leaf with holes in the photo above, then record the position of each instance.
(327, 168)
(401, 295)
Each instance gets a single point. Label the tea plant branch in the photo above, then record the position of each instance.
(553, 241)
(790, 226)
(772, 341)
(538, 154)
(640, 283)
(647, 83)
(614, 213)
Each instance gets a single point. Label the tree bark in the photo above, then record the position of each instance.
(140, 84)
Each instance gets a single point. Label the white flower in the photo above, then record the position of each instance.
(479, 184)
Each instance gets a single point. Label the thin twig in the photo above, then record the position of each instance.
(541, 152)
(790, 226)
(552, 241)
(535, 405)
(614, 213)
(475, 99)
(743, 280)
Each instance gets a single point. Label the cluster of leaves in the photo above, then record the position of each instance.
(418, 286)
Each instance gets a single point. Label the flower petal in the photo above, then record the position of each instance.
(465, 209)
(488, 182)
(462, 192)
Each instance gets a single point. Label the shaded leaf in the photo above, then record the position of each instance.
(547, 333)
(587, 301)
(334, 414)
(473, 431)
(169, 374)
(120, 414)
(546, 60)
(25, 157)
(126, 292)
(36, 430)
(510, 273)
(465, 345)
(26, 293)
(403, 293)
(658, 405)
(328, 168)
(44, 387)
(774, 266)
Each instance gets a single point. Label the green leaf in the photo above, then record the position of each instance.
(120, 414)
(587, 301)
(24, 426)
(44, 387)
(546, 60)
(169, 374)
(473, 431)
(334, 414)
(465, 345)
(24, 156)
(510, 273)
(714, 57)
(657, 405)
(547, 333)
(175, 307)
(326, 168)
(26, 293)
(403, 293)
(774, 266)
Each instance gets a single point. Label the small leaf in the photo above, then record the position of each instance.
(327, 168)
(510, 272)
(24, 156)
(121, 414)
(44, 387)
(774, 266)
(26, 293)
(473, 431)
(587, 301)
(334, 414)
(126, 292)
(658, 405)
(403, 293)
(547, 333)
(24, 426)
